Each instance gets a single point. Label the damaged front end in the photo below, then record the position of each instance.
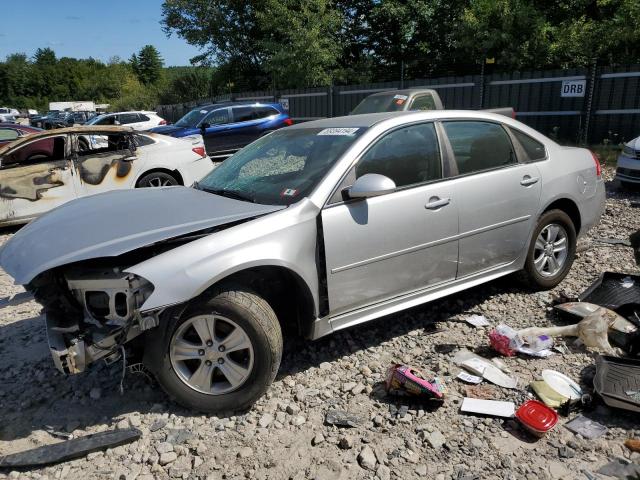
(91, 312)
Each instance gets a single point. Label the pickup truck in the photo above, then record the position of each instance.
(411, 99)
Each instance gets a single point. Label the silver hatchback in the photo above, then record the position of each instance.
(321, 226)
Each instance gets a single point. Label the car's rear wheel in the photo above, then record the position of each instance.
(551, 251)
(157, 179)
(220, 354)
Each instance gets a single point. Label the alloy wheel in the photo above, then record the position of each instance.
(211, 354)
(551, 250)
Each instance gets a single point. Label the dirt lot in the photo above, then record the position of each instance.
(284, 436)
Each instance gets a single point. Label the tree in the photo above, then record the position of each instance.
(147, 65)
(44, 56)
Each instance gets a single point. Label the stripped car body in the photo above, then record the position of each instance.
(343, 251)
(46, 169)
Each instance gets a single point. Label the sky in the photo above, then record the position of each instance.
(89, 28)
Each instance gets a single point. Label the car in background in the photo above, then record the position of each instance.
(46, 169)
(38, 121)
(8, 115)
(227, 127)
(318, 227)
(628, 166)
(10, 132)
(67, 119)
(142, 120)
(411, 99)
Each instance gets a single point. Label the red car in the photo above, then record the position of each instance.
(12, 131)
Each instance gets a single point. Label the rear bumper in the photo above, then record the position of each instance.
(592, 209)
(628, 169)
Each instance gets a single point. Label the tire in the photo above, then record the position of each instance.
(157, 179)
(629, 185)
(548, 276)
(169, 351)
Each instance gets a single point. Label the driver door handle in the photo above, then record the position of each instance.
(130, 159)
(437, 202)
(527, 180)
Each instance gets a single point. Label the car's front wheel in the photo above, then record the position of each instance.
(551, 250)
(220, 354)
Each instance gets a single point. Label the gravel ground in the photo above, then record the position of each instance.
(284, 435)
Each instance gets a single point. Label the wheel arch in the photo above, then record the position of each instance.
(174, 173)
(283, 289)
(569, 207)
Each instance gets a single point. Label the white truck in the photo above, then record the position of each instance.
(84, 106)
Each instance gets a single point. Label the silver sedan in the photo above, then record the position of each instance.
(320, 226)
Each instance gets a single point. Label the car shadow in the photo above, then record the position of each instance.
(35, 396)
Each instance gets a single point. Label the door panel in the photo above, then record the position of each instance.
(217, 137)
(34, 179)
(112, 165)
(386, 246)
(497, 196)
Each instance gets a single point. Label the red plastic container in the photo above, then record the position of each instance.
(537, 417)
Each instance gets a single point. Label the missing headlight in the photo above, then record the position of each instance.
(108, 296)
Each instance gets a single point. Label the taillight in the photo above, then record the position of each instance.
(513, 113)
(288, 122)
(162, 122)
(199, 151)
(598, 166)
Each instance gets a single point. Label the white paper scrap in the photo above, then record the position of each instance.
(627, 282)
(488, 407)
(541, 354)
(467, 377)
(477, 320)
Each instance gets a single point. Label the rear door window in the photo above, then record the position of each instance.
(479, 146)
(126, 118)
(533, 148)
(43, 150)
(243, 114)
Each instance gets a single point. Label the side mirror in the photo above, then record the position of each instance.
(371, 185)
(204, 125)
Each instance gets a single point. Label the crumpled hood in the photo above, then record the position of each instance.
(174, 131)
(117, 222)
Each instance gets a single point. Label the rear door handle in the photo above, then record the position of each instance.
(527, 180)
(437, 202)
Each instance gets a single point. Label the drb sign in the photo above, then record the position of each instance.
(573, 88)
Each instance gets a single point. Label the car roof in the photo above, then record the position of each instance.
(406, 91)
(247, 103)
(18, 126)
(367, 120)
(88, 129)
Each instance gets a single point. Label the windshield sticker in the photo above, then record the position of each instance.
(338, 131)
(204, 111)
(289, 192)
(400, 97)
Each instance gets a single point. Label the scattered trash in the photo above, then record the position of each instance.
(485, 368)
(505, 340)
(488, 407)
(484, 392)
(562, 385)
(158, 424)
(536, 417)
(70, 449)
(466, 377)
(620, 468)
(633, 444)
(402, 379)
(537, 343)
(549, 396)
(55, 433)
(585, 427)
(627, 282)
(477, 321)
(614, 378)
(592, 330)
(606, 291)
(576, 311)
(501, 365)
(340, 418)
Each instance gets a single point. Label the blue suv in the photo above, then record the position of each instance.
(227, 127)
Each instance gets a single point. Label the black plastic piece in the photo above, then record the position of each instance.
(617, 381)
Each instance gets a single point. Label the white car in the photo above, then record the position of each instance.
(8, 115)
(44, 170)
(142, 120)
(628, 169)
